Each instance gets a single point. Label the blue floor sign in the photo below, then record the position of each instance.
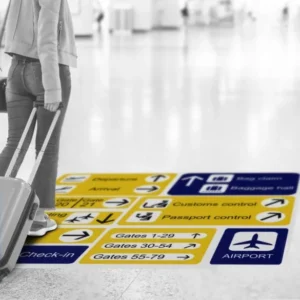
(236, 184)
(51, 254)
(251, 247)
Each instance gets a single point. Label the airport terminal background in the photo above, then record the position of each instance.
(155, 94)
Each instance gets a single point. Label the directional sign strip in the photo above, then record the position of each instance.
(171, 235)
(235, 184)
(141, 257)
(93, 202)
(85, 218)
(113, 184)
(67, 236)
(211, 211)
(154, 246)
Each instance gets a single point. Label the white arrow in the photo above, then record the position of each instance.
(192, 179)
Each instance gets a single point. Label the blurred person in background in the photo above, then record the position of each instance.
(99, 13)
(185, 13)
(285, 13)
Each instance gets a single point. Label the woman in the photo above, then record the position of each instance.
(40, 39)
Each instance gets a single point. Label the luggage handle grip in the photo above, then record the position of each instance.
(42, 103)
(22, 140)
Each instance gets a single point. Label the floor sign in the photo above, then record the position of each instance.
(167, 219)
(251, 246)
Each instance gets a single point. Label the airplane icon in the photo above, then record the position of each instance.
(73, 220)
(253, 243)
(89, 216)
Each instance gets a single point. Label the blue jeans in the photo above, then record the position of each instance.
(24, 87)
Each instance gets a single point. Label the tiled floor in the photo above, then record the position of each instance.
(211, 100)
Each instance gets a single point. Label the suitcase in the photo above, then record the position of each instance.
(18, 204)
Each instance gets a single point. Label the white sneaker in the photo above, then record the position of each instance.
(40, 228)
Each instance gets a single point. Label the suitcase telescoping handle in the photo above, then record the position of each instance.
(23, 137)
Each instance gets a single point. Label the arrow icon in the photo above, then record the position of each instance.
(157, 177)
(106, 220)
(195, 235)
(74, 178)
(192, 179)
(191, 246)
(119, 203)
(184, 257)
(276, 201)
(64, 188)
(149, 189)
(79, 236)
(272, 215)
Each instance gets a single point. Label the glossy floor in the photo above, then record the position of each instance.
(205, 100)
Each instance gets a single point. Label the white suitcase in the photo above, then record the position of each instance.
(18, 205)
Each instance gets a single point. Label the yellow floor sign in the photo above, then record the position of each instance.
(113, 184)
(95, 218)
(220, 211)
(183, 246)
(167, 219)
(67, 235)
(93, 202)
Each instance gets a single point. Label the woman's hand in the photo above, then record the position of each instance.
(52, 106)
